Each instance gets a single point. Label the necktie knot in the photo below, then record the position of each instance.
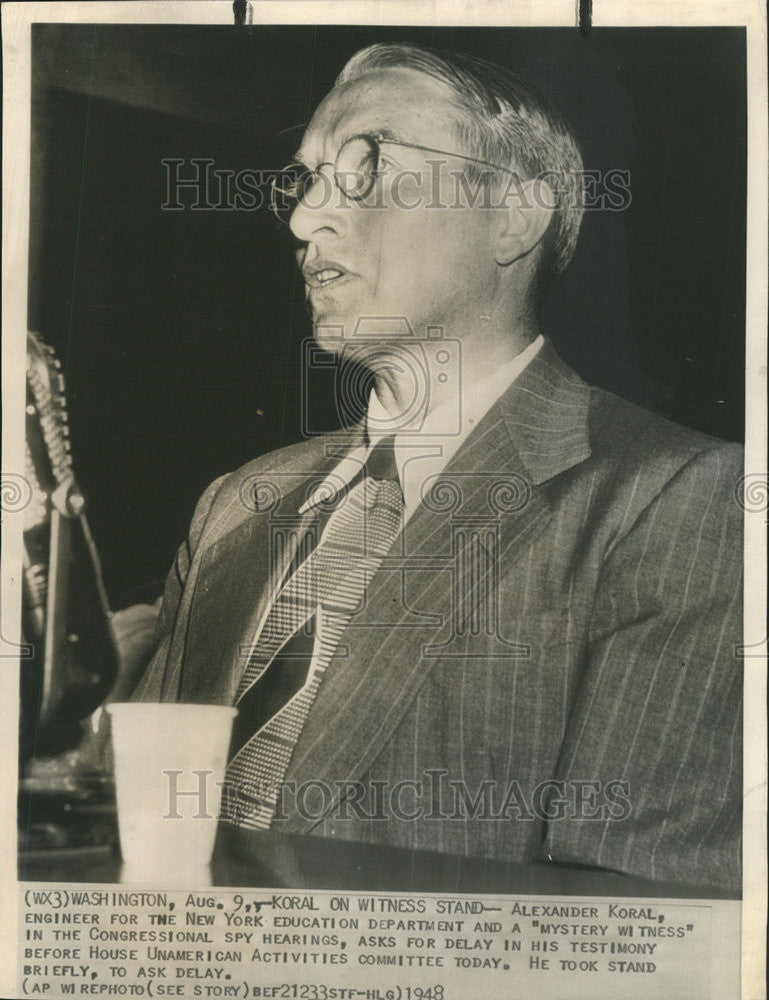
(380, 463)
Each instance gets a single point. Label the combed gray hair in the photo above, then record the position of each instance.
(502, 119)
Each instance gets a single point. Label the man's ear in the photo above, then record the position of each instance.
(528, 211)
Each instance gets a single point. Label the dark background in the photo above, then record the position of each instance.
(181, 332)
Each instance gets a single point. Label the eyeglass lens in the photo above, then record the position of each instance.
(355, 171)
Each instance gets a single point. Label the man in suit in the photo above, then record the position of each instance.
(540, 661)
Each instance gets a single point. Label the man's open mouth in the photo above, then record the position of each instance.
(322, 273)
(327, 275)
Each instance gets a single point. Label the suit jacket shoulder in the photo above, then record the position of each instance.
(639, 455)
(617, 426)
(260, 483)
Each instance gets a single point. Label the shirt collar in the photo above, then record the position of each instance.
(422, 452)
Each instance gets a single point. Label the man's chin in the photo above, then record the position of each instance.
(331, 333)
(336, 328)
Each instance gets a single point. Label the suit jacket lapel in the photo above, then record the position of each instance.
(546, 412)
(489, 499)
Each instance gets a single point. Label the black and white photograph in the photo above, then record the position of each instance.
(386, 587)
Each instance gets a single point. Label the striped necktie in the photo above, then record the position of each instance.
(300, 635)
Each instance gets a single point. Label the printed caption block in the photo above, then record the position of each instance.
(325, 946)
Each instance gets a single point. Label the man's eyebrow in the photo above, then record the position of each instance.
(385, 133)
(376, 133)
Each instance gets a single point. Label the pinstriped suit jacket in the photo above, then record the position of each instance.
(545, 663)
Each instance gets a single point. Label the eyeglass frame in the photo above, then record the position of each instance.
(377, 140)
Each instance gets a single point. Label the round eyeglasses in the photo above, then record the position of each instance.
(355, 171)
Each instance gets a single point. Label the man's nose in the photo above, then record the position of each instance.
(320, 209)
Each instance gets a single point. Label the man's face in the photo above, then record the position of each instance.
(434, 266)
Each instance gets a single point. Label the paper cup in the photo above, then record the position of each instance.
(170, 761)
